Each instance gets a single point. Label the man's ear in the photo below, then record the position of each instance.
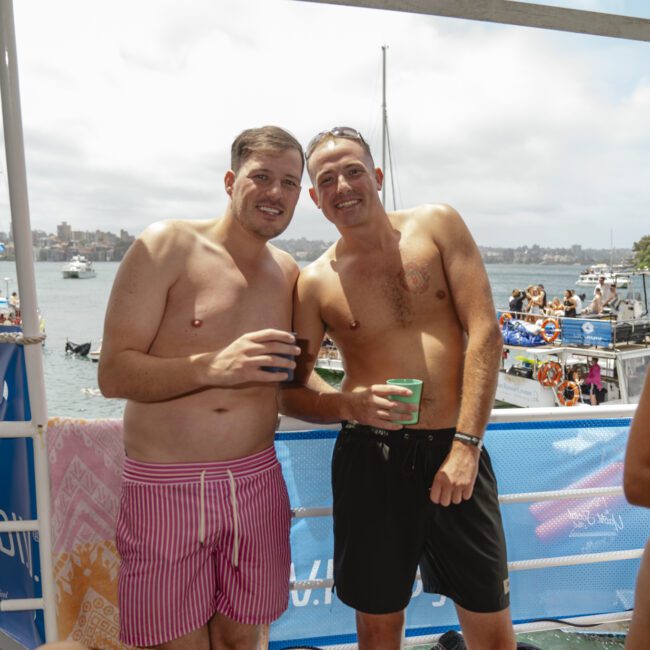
(229, 181)
(314, 197)
(379, 175)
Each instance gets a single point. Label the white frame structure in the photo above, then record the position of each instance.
(508, 12)
(511, 12)
(36, 428)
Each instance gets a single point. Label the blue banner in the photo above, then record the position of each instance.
(586, 331)
(14, 400)
(526, 457)
(19, 560)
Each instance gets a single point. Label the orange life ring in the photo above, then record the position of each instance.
(571, 385)
(549, 338)
(504, 317)
(550, 373)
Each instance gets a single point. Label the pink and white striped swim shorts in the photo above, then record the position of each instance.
(201, 538)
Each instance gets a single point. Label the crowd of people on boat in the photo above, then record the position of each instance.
(532, 302)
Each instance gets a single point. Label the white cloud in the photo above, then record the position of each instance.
(129, 110)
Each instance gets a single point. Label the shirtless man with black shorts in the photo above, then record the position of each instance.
(196, 311)
(403, 294)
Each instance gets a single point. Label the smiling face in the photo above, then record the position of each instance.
(264, 191)
(345, 183)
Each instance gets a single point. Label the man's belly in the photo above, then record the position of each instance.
(439, 366)
(216, 424)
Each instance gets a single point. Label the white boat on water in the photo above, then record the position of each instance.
(591, 276)
(79, 267)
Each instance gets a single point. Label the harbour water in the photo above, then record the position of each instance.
(74, 309)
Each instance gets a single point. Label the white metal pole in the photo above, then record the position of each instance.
(17, 180)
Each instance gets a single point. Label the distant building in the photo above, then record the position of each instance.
(64, 231)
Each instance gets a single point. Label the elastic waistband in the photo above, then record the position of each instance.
(430, 435)
(216, 470)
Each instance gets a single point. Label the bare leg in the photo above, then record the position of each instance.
(491, 631)
(194, 640)
(380, 631)
(226, 634)
(638, 636)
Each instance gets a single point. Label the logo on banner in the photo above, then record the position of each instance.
(595, 519)
(19, 545)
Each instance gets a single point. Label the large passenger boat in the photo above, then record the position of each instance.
(545, 363)
(590, 277)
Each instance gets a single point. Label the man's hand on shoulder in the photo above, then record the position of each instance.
(454, 481)
(373, 407)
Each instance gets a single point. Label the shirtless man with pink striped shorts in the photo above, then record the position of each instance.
(198, 309)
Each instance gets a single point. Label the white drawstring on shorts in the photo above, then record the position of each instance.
(202, 509)
(235, 519)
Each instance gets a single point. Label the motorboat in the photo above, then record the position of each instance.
(590, 277)
(96, 352)
(79, 267)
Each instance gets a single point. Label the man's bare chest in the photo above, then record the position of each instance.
(386, 296)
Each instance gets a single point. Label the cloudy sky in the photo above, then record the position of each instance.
(129, 109)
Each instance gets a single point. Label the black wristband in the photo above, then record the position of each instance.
(466, 439)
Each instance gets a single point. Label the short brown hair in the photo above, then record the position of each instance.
(264, 138)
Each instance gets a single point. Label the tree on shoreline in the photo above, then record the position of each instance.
(641, 250)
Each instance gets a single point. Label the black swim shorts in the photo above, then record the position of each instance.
(385, 524)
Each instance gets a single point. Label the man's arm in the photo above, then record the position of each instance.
(133, 317)
(311, 398)
(636, 476)
(472, 298)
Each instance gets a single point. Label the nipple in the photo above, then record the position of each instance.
(441, 294)
(355, 325)
(197, 322)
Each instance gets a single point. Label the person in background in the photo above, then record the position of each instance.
(577, 299)
(593, 385)
(554, 308)
(197, 312)
(535, 302)
(636, 484)
(602, 285)
(569, 304)
(596, 306)
(516, 302)
(543, 296)
(611, 299)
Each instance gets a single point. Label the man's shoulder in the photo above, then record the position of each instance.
(318, 270)
(283, 258)
(426, 214)
(176, 230)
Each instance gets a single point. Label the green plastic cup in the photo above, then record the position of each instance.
(415, 385)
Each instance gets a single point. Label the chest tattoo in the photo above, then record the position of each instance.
(414, 278)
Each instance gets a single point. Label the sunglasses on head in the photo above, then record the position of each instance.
(337, 132)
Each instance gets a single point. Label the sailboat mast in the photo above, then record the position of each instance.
(384, 123)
